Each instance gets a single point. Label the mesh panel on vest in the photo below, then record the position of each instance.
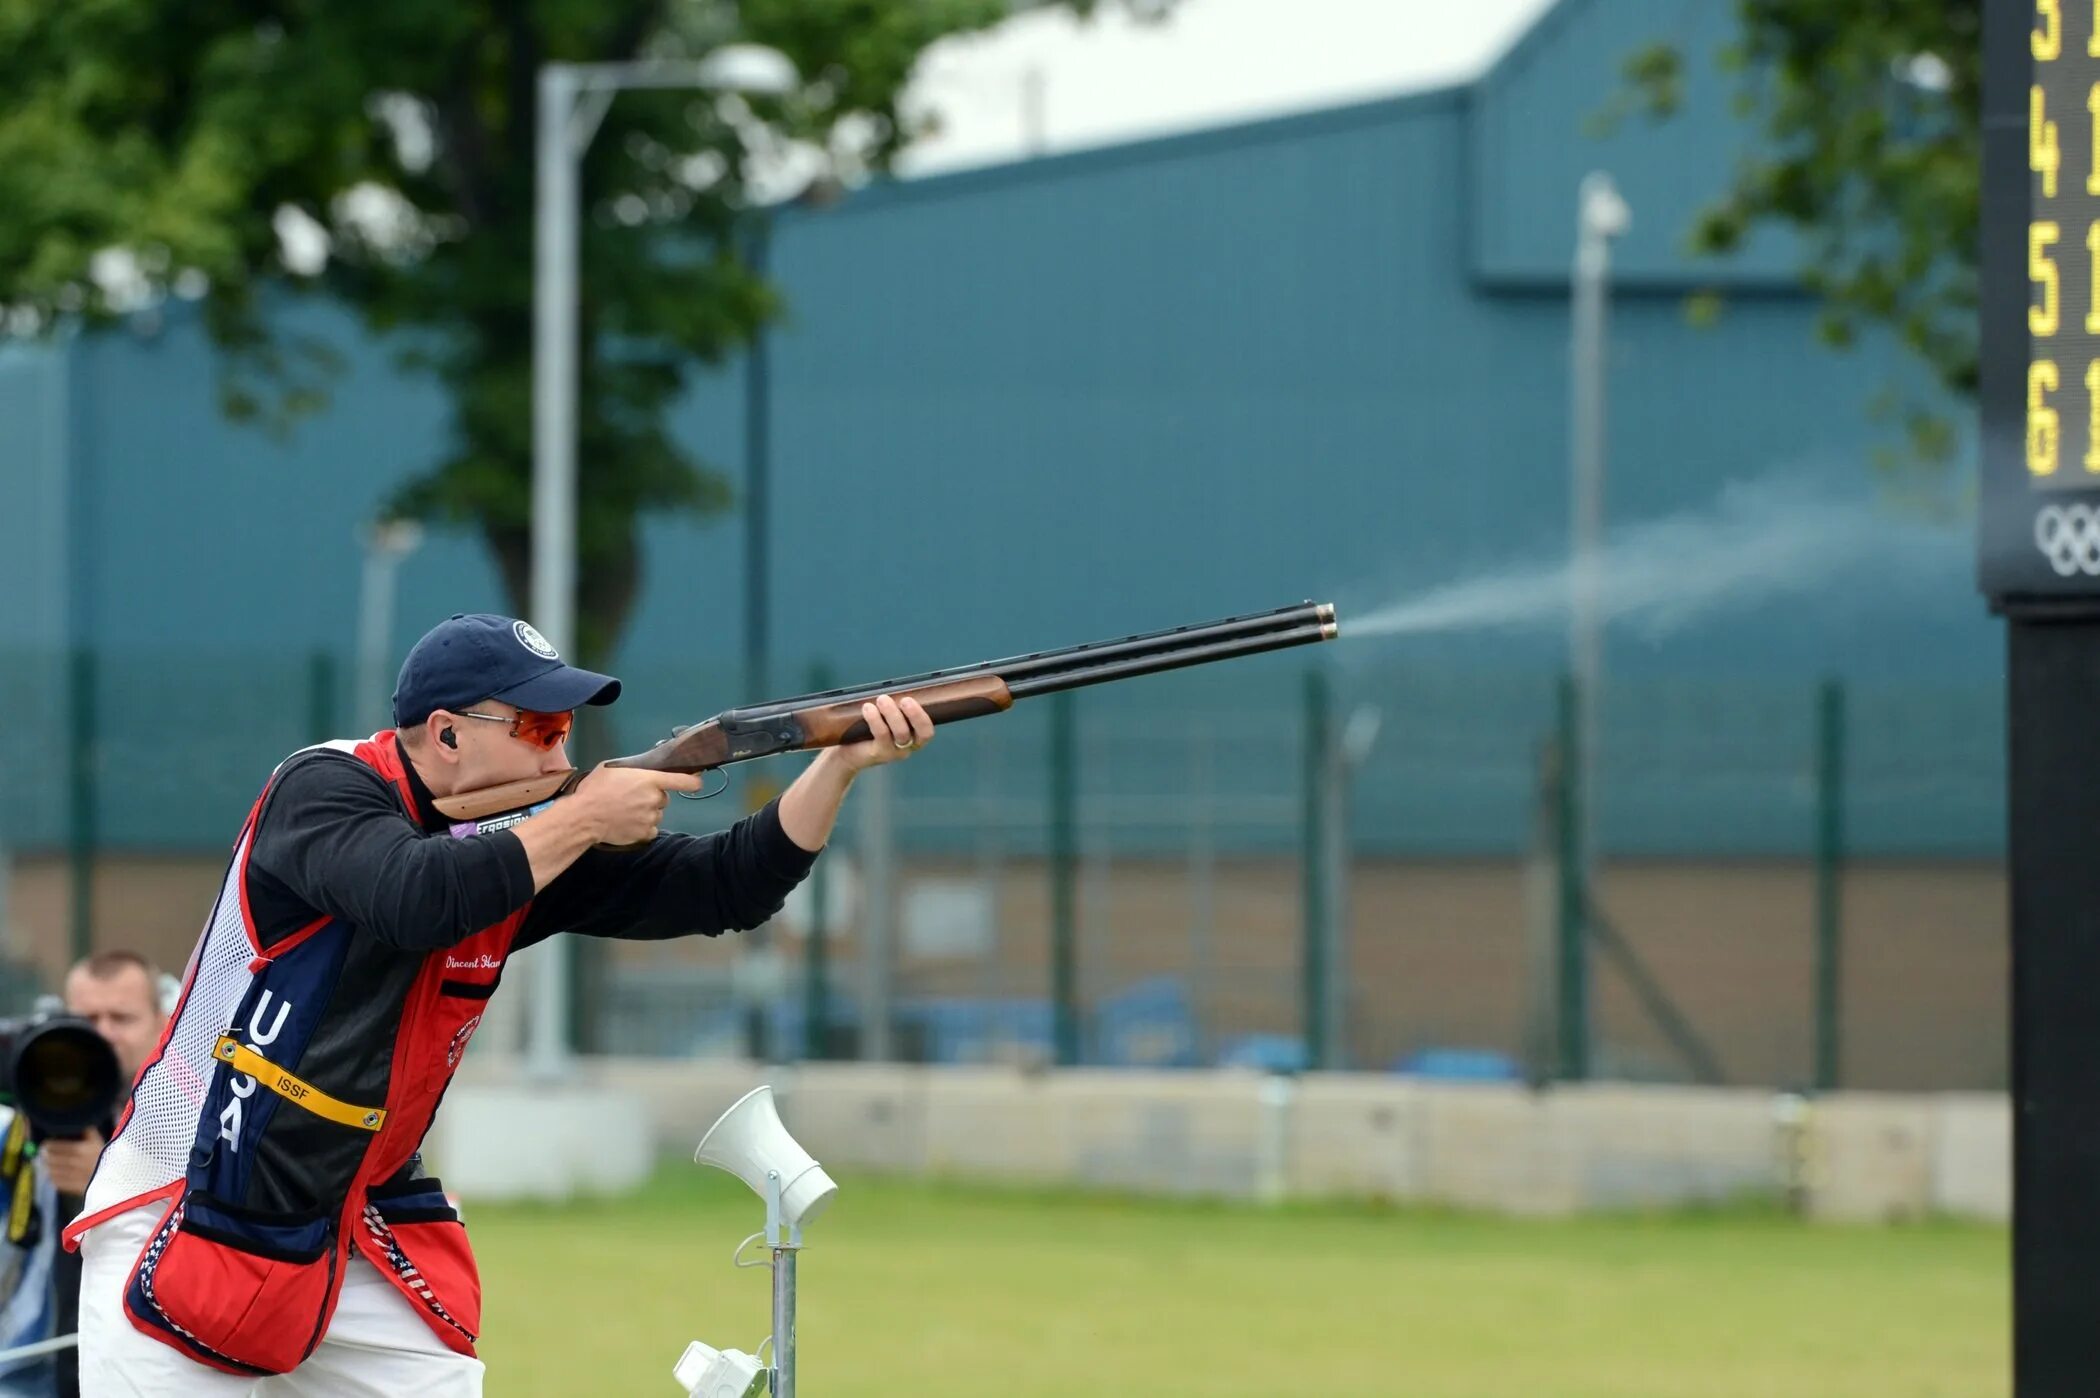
(153, 1148)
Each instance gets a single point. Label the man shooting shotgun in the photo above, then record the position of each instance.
(261, 1210)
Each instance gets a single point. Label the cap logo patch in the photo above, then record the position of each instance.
(533, 641)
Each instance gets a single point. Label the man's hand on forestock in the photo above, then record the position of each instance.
(810, 806)
(896, 729)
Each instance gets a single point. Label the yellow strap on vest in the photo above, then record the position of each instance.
(285, 1085)
(21, 1215)
(14, 1147)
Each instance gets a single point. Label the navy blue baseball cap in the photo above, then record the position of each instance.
(468, 658)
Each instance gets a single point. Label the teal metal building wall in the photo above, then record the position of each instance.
(1324, 355)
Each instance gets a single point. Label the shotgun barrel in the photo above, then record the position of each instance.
(831, 717)
(1043, 664)
(1100, 669)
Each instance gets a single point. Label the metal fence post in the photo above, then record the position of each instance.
(1064, 873)
(1830, 873)
(1203, 896)
(990, 850)
(1312, 863)
(1574, 997)
(876, 832)
(1347, 744)
(815, 990)
(7, 873)
(83, 832)
(320, 696)
(1544, 904)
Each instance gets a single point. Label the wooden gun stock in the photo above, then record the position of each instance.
(838, 723)
(713, 744)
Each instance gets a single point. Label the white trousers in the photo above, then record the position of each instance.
(376, 1346)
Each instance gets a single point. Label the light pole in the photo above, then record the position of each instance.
(758, 471)
(758, 466)
(1601, 215)
(572, 101)
(386, 542)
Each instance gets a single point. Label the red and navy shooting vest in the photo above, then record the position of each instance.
(277, 1122)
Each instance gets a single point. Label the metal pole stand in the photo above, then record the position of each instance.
(782, 1374)
(21, 1353)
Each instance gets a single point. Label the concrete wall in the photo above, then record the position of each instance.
(1847, 1157)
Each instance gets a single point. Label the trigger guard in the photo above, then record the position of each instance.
(703, 794)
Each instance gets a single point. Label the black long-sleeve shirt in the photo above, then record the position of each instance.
(332, 839)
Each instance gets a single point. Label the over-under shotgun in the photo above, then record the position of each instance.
(832, 716)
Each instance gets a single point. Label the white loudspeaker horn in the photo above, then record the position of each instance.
(748, 1140)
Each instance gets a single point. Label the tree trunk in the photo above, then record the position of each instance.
(608, 582)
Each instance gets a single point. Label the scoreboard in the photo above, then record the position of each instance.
(2039, 513)
(2038, 559)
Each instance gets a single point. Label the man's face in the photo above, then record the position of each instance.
(488, 755)
(124, 1010)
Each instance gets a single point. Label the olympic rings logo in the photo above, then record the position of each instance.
(2069, 537)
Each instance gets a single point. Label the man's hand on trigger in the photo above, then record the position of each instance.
(626, 804)
(611, 806)
(71, 1164)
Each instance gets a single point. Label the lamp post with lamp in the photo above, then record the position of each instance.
(1601, 215)
(573, 98)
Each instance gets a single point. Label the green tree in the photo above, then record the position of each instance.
(1871, 115)
(154, 147)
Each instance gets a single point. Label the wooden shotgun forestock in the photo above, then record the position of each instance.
(832, 717)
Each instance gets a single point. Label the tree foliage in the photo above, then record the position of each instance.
(1870, 112)
(183, 147)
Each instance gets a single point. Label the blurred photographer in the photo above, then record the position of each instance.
(119, 994)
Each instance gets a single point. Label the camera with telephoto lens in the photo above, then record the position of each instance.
(59, 1073)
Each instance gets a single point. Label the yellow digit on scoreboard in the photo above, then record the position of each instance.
(2092, 104)
(2041, 236)
(2049, 39)
(2042, 152)
(2092, 420)
(2042, 381)
(2092, 247)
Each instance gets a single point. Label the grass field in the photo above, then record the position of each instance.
(945, 1292)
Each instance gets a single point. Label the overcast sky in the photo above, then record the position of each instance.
(1210, 63)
